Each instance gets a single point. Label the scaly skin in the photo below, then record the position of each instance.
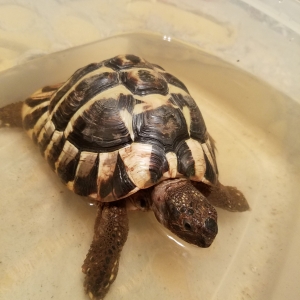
(11, 115)
(180, 207)
(102, 261)
(226, 197)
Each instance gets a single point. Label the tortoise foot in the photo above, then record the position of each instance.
(102, 261)
(226, 197)
(237, 201)
(11, 115)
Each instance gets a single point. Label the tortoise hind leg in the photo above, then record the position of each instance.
(11, 115)
(102, 261)
(226, 197)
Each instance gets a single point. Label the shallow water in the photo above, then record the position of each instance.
(45, 230)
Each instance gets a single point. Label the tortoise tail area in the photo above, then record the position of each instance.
(11, 115)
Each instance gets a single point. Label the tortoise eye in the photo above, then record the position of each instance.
(183, 209)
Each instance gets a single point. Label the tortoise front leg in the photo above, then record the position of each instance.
(102, 261)
(226, 197)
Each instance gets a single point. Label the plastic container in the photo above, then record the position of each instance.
(240, 61)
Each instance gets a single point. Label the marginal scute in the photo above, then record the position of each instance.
(67, 162)
(136, 158)
(35, 112)
(35, 101)
(107, 165)
(34, 118)
(45, 136)
(85, 182)
(123, 185)
(51, 88)
(54, 148)
(30, 120)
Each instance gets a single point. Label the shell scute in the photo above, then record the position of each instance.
(123, 185)
(143, 82)
(126, 102)
(33, 102)
(67, 162)
(127, 61)
(164, 126)
(100, 128)
(186, 163)
(80, 94)
(54, 148)
(107, 164)
(31, 120)
(85, 181)
(197, 126)
(45, 136)
(80, 73)
(158, 164)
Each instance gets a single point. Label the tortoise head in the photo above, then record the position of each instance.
(181, 208)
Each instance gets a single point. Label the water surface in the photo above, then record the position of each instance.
(46, 230)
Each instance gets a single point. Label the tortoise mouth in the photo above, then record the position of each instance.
(203, 237)
(206, 240)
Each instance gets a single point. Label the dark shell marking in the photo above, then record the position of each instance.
(119, 126)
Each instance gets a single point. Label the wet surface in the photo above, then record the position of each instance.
(46, 230)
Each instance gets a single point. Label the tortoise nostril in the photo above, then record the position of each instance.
(211, 225)
(142, 203)
(187, 226)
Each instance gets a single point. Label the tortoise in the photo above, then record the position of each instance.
(127, 134)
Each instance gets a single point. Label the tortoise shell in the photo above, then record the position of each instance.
(119, 126)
